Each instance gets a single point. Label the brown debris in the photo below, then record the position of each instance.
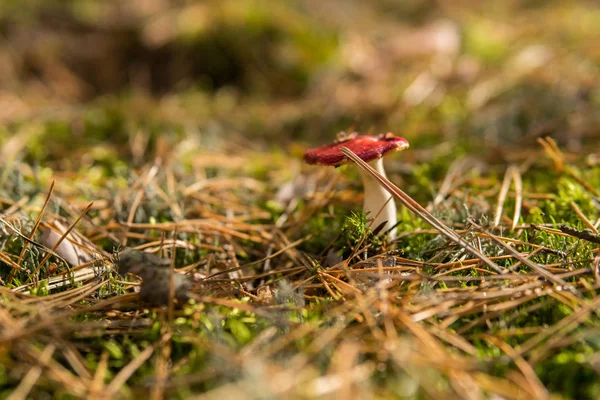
(156, 276)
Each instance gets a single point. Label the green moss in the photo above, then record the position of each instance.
(485, 41)
(571, 374)
(280, 74)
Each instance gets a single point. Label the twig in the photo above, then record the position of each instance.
(59, 241)
(518, 197)
(586, 234)
(502, 196)
(36, 224)
(419, 210)
(125, 373)
(536, 267)
(32, 375)
(97, 385)
(536, 388)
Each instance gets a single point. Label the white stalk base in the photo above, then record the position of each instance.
(378, 203)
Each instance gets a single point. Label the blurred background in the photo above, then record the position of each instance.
(130, 108)
(455, 76)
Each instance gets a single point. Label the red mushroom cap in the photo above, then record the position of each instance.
(368, 148)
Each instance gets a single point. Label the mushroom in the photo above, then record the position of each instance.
(378, 203)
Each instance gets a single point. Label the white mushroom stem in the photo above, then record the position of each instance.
(376, 204)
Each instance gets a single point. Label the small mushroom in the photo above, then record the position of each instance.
(71, 248)
(378, 203)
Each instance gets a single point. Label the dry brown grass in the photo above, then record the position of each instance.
(420, 324)
(490, 290)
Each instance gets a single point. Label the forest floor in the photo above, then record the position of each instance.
(178, 129)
